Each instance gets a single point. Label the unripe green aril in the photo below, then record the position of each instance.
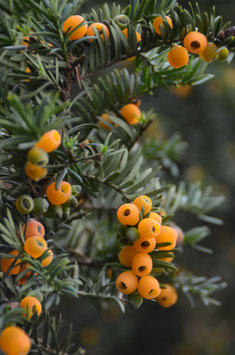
(223, 54)
(38, 156)
(132, 234)
(122, 21)
(66, 211)
(54, 212)
(41, 205)
(76, 189)
(72, 202)
(24, 204)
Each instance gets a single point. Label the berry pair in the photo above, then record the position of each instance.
(37, 157)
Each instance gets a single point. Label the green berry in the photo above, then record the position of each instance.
(122, 21)
(38, 156)
(132, 234)
(24, 204)
(54, 212)
(76, 189)
(41, 205)
(223, 54)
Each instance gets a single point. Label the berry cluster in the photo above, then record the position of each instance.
(34, 245)
(144, 231)
(194, 42)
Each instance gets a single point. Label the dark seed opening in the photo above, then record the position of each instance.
(39, 229)
(145, 244)
(151, 292)
(123, 20)
(40, 243)
(122, 286)
(163, 298)
(153, 229)
(146, 200)
(142, 268)
(26, 204)
(195, 44)
(127, 212)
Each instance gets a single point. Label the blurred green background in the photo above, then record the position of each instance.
(206, 120)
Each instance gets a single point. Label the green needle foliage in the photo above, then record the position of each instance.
(48, 81)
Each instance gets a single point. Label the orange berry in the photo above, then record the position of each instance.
(168, 296)
(25, 41)
(159, 21)
(142, 264)
(168, 260)
(131, 113)
(60, 196)
(31, 305)
(182, 90)
(126, 255)
(145, 245)
(195, 42)
(35, 172)
(178, 57)
(33, 229)
(138, 36)
(128, 214)
(35, 246)
(149, 228)
(156, 216)
(127, 282)
(149, 287)
(144, 202)
(99, 27)
(105, 116)
(14, 341)
(71, 23)
(167, 235)
(210, 54)
(49, 141)
(48, 259)
(6, 263)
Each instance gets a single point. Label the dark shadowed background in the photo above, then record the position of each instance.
(206, 120)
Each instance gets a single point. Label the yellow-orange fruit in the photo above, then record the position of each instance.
(100, 27)
(25, 41)
(127, 282)
(48, 259)
(6, 263)
(182, 90)
(35, 246)
(14, 341)
(31, 306)
(35, 172)
(167, 235)
(60, 196)
(49, 141)
(71, 23)
(126, 255)
(168, 296)
(144, 202)
(142, 264)
(128, 214)
(131, 113)
(178, 57)
(156, 216)
(168, 260)
(149, 228)
(210, 54)
(195, 42)
(159, 21)
(145, 245)
(149, 287)
(33, 229)
(138, 36)
(105, 116)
